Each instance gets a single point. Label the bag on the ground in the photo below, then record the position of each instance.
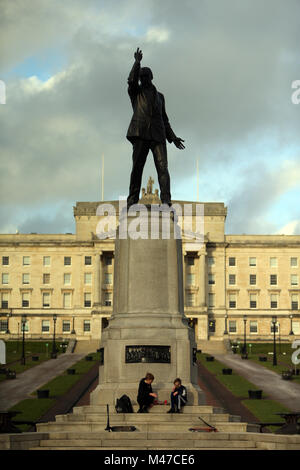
(124, 405)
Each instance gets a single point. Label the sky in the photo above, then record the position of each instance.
(226, 69)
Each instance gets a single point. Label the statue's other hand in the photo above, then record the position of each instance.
(138, 55)
(178, 142)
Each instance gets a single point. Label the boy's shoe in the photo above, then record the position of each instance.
(172, 410)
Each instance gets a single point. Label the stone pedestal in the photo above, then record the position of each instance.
(148, 331)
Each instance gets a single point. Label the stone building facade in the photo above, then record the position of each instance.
(234, 284)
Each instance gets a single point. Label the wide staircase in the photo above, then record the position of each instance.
(211, 346)
(85, 429)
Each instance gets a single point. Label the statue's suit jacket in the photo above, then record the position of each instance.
(149, 118)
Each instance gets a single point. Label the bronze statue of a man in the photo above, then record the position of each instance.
(148, 130)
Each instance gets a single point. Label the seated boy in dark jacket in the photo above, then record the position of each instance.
(178, 397)
(145, 396)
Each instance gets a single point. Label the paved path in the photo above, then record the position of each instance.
(284, 391)
(15, 390)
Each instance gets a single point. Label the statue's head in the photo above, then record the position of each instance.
(146, 76)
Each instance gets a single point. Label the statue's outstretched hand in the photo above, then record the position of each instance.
(178, 142)
(138, 55)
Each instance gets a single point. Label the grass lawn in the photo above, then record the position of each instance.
(32, 409)
(32, 348)
(264, 410)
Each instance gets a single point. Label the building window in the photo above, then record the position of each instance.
(46, 261)
(108, 299)
(108, 278)
(211, 261)
(273, 262)
(232, 262)
(253, 326)
(67, 260)
(294, 262)
(232, 326)
(190, 261)
(4, 300)
(190, 279)
(66, 326)
(88, 278)
(25, 299)
(211, 299)
(232, 300)
(212, 326)
(294, 279)
(190, 299)
(232, 279)
(3, 326)
(252, 261)
(46, 278)
(108, 260)
(67, 300)
(294, 302)
(5, 278)
(273, 279)
(276, 328)
(45, 326)
(211, 278)
(87, 299)
(274, 301)
(5, 260)
(67, 279)
(26, 260)
(25, 278)
(46, 299)
(296, 327)
(86, 325)
(87, 260)
(252, 279)
(253, 301)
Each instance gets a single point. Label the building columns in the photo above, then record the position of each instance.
(98, 279)
(202, 284)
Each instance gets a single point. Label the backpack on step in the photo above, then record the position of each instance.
(124, 405)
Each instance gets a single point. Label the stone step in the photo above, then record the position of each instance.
(148, 444)
(143, 427)
(212, 347)
(166, 440)
(147, 418)
(144, 448)
(188, 409)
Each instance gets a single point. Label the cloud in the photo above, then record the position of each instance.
(225, 69)
(157, 35)
(292, 228)
(258, 191)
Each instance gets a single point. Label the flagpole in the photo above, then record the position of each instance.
(102, 184)
(197, 181)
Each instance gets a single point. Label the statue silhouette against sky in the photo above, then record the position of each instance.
(148, 130)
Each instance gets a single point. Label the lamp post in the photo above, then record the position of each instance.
(73, 332)
(226, 331)
(23, 320)
(274, 321)
(245, 341)
(7, 329)
(291, 318)
(53, 353)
